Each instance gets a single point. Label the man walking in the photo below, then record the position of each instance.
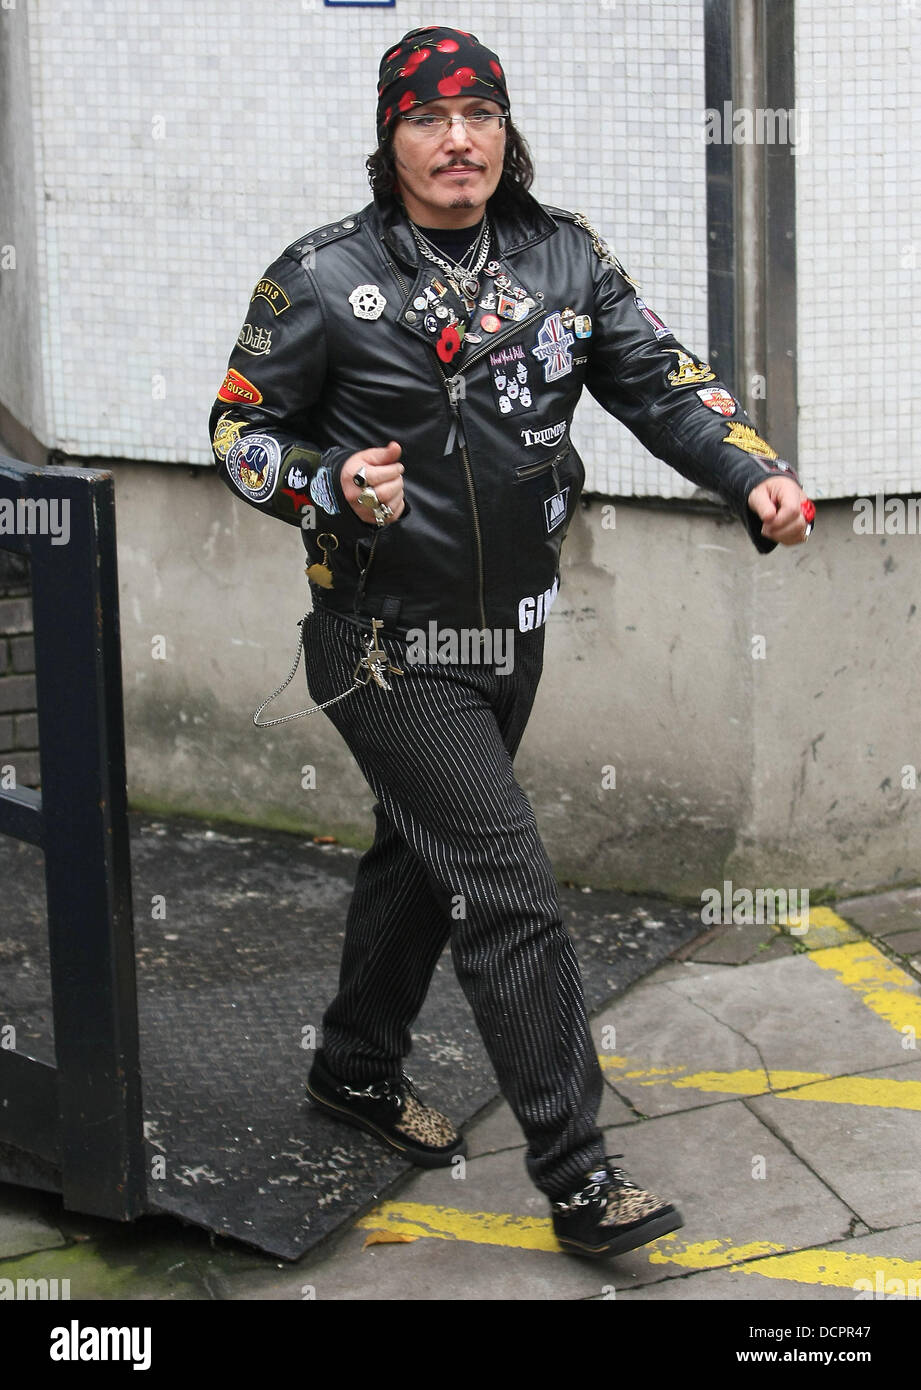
(402, 390)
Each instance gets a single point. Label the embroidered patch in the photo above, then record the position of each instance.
(252, 464)
(718, 399)
(688, 372)
(256, 341)
(236, 388)
(550, 434)
(659, 327)
(552, 348)
(273, 295)
(321, 490)
(555, 508)
(226, 433)
(745, 437)
(511, 386)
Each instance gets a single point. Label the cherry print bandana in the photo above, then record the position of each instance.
(434, 62)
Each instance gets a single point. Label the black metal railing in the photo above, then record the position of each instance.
(83, 1115)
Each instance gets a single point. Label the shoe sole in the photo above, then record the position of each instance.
(671, 1220)
(417, 1156)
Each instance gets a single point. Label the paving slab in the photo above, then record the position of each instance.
(681, 968)
(736, 944)
(707, 1162)
(658, 1030)
(869, 1155)
(881, 914)
(797, 1016)
(904, 943)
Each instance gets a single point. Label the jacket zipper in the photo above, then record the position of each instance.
(452, 386)
(533, 470)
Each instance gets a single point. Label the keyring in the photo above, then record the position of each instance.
(369, 498)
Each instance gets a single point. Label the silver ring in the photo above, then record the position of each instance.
(359, 478)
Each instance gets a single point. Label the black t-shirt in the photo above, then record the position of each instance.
(453, 242)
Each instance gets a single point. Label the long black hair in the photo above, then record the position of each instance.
(517, 169)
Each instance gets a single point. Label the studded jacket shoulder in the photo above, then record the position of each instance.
(352, 339)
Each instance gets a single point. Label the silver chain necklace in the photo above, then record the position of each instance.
(463, 277)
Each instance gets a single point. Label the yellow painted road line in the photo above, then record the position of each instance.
(817, 928)
(884, 1092)
(831, 1268)
(880, 1091)
(476, 1227)
(886, 989)
(838, 1269)
(826, 917)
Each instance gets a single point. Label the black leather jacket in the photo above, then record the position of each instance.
(323, 368)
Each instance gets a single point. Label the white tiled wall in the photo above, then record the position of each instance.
(182, 146)
(179, 147)
(858, 70)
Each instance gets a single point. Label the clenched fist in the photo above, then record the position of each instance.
(383, 472)
(778, 502)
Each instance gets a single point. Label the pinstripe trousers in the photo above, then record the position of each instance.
(457, 856)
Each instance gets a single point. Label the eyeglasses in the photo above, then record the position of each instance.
(480, 122)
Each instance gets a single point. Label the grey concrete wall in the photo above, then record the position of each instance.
(21, 284)
(781, 770)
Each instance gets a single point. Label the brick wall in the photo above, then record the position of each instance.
(18, 719)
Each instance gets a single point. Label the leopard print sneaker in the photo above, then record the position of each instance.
(611, 1214)
(392, 1111)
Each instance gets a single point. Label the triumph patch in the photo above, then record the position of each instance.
(237, 389)
(273, 295)
(252, 464)
(555, 509)
(552, 348)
